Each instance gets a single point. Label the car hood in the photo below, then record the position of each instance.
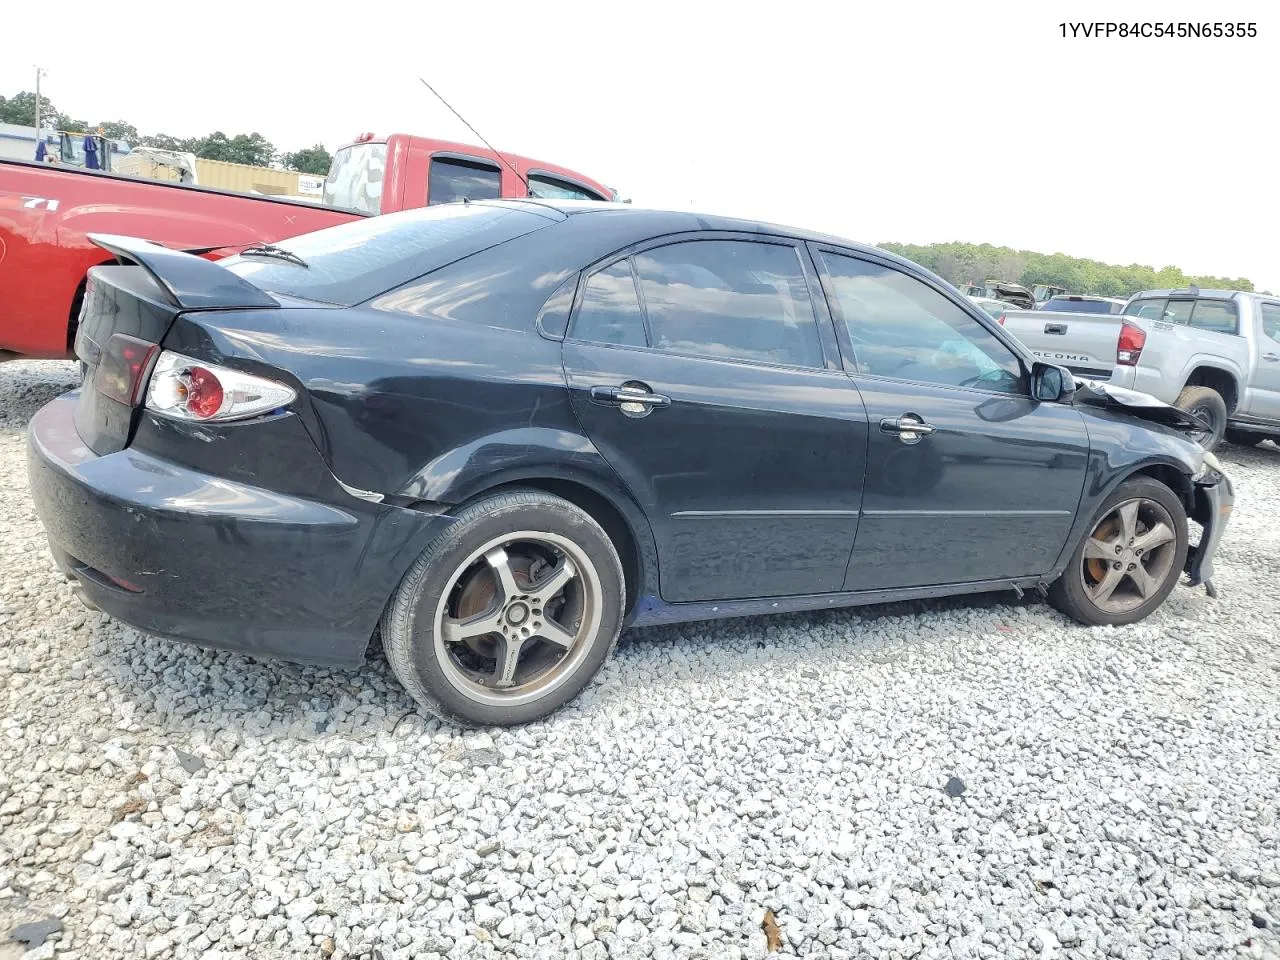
(1143, 405)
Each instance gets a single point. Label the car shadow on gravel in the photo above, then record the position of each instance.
(219, 696)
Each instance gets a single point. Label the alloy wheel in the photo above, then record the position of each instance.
(517, 617)
(1128, 558)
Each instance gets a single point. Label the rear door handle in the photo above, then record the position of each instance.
(1271, 356)
(634, 401)
(908, 427)
(1058, 328)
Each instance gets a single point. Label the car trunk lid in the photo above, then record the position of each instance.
(127, 309)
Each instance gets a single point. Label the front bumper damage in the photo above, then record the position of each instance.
(1214, 499)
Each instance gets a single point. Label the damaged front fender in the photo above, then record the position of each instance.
(1134, 402)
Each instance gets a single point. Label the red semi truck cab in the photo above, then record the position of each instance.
(47, 212)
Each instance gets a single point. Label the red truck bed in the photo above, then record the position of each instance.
(47, 211)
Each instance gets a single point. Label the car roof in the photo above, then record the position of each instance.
(1188, 292)
(684, 220)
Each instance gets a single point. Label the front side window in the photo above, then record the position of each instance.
(355, 178)
(1216, 316)
(553, 189)
(610, 310)
(902, 328)
(1271, 321)
(730, 299)
(453, 180)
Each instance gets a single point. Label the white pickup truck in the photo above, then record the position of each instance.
(1212, 353)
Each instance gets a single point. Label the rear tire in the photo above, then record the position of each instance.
(1079, 591)
(1247, 438)
(1208, 404)
(509, 614)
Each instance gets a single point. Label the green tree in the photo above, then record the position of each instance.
(314, 159)
(970, 262)
(119, 130)
(162, 141)
(21, 108)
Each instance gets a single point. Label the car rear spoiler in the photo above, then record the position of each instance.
(192, 283)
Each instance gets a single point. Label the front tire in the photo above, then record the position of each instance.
(1206, 403)
(509, 614)
(1130, 559)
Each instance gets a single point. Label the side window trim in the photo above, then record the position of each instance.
(644, 309)
(842, 332)
(823, 317)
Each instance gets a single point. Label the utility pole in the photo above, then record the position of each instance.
(40, 72)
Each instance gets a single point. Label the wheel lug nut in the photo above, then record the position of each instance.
(1117, 564)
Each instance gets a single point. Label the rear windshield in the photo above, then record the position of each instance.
(350, 263)
(1067, 305)
(355, 178)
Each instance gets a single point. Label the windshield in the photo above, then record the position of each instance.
(355, 178)
(352, 262)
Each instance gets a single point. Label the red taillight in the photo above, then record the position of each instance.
(1000, 319)
(1129, 347)
(123, 368)
(204, 393)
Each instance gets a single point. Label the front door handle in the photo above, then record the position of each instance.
(909, 427)
(633, 399)
(1273, 357)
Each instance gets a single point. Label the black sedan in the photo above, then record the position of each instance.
(503, 430)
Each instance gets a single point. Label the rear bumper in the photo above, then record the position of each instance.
(183, 554)
(1214, 501)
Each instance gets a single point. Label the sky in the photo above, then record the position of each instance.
(974, 121)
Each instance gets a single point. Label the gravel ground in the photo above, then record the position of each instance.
(959, 779)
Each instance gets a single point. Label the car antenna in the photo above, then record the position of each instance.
(527, 188)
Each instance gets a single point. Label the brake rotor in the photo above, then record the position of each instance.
(478, 594)
(1096, 568)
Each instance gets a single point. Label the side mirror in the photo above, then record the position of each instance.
(1052, 383)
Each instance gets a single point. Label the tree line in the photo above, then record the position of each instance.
(251, 148)
(961, 263)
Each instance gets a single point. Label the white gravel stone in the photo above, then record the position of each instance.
(1119, 784)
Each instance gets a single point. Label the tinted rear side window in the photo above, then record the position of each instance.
(1216, 316)
(550, 187)
(729, 298)
(1146, 309)
(610, 310)
(352, 262)
(453, 180)
(1178, 311)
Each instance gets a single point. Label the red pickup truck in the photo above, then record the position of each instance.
(47, 212)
